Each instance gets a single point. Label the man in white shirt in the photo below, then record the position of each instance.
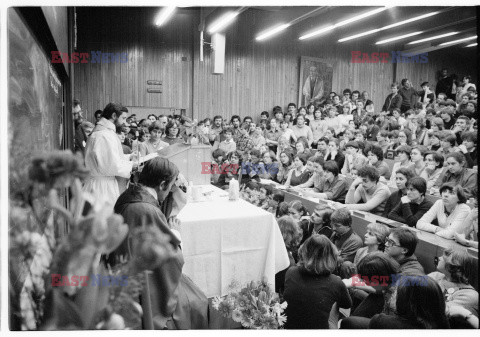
(104, 156)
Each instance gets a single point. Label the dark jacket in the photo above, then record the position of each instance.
(339, 159)
(176, 301)
(347, 244)
(411, 267)
(466, 178)
(409, 213)
(80, 139)
(392, 102)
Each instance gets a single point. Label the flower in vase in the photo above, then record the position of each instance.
(225, 309)
(237, 315)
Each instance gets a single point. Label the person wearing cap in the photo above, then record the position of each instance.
(426, 95)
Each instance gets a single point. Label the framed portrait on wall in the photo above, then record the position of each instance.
(315, 80)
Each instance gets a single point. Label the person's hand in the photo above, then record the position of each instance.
(134, 167)
(357, 182)
(174, 223)
(405, 199)
(455, 310)
(462, 148)
(456, 129)
(460, 238)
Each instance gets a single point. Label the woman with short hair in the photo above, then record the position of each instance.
(311, 288)
(433, 168)
(155, 142)
(299, 174)
(172, 131)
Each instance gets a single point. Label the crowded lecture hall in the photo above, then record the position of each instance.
(242, 168)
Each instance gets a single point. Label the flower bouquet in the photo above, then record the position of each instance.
(256, 306)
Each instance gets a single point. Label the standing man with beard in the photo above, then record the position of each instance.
(104, 156)
(80, 135)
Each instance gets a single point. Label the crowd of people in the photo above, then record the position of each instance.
(339, 150)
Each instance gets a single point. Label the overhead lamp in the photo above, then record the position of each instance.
(457, 41)
(388, 27)
(164, 15)
(433, 38)
(472, 45)
(344, 22)
(398, 38)
(271, 32)
(222, 22)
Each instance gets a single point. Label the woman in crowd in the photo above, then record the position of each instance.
(285, 160)
(155, 142)
(403, 153)
(412, 206)
(469, 148)
(334, 153)
(286, 133)
(301, 146)
(348, 136)
(310, 113)
(230, 169)
(457, 173)
(375, 238)
(447, 143)
(270, 166)
(311, 289)
(418, 306)
(318, 126)
(437, 124)
(302, 130)
(434, 141)
(354, 158)
(433, 168)
(455, 273)
(345, 117)
(402, 175)
(143, 135)
(299, 174)
(291, 237)
(416, 155)
(332, 120)
(470, 238)
(419, 131)
(450, 213)
(375, 158)
(384, 141)
(257, 139)
(172, 133)
(288, 118)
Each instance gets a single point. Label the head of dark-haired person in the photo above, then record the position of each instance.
(401, 243)
(115, 113)
(159, 174)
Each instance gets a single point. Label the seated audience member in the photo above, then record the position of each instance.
(301, 146)
(270, 166)
(417, 154)
(331, 186)
(450, 213)
(227, 145)
(264, 118)
(277, 199)
(229, 170)
(419, 131)
(462, 125)
(437, 125)
(412, 206)
(345, 117)
(401, 177)
(401, 245)
(285, 160)
(376, 265)
(299, 174)
(372, 130)
(470, 238)
(348, 136)
(319, 222)
(360, 138)
(291, 236)
(322, 147)
(446, 113)
(286, 132)
(121, 133)
(332, 121)
(155, 142)
(383, 141)
(344, 238)
(172, 132)
(354, 158)
(433, 168)
(257, 139)
(375, 158)
(403, 153)
(250, 167)
(218, 157)
(447, 143)
(334, 153)
(469, 148)
(143, 135)
(244, 142)
(455, 275)
(315, 165)
(311, 289)
(272, 134)
(418, 306)
(458, 174)
(366, 192)
(302, 130)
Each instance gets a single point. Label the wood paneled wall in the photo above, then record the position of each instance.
(257, 76)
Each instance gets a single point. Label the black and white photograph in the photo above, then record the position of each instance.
(225, 167)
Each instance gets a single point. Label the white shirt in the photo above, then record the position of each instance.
(105, 160)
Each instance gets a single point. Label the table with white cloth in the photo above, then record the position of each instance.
(227, 243)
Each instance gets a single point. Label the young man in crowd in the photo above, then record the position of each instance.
(393, 101)
(401, 245)
(344, 238)
(409, 95)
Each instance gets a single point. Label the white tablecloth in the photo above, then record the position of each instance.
(229, 241)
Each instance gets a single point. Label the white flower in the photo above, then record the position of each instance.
(216, 302)
(237, 315)
(281, 319)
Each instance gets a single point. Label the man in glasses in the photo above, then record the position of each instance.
(401, 245)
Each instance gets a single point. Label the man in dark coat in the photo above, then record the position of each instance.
(177, 303)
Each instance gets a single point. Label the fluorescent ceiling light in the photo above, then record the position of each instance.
(398, 38)
(164, 15)
(457, 41)
(273, 31)
(344, 22)
(433, 38)
(222, 22)
(388, 27)
(472, 45)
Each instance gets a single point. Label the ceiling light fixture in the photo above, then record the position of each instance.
(472, 45)
(398, 38)
(388, 27)
(222, 22)
(164, 15)
(457, 41)
(433, 38)
(344, 22)
(271, 32)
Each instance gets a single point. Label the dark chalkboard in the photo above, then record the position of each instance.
(35, 99)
